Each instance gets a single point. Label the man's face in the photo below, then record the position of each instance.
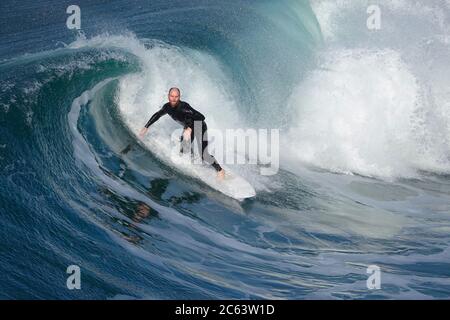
(174, 97)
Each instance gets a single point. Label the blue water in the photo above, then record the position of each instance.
(364, 174)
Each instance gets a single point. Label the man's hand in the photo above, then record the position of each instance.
(187, 134)
(143, 132)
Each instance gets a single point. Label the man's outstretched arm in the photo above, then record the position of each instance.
(152, 120)
(155, 117)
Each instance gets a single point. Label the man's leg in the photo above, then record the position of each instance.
(186, 145)
(202, 140)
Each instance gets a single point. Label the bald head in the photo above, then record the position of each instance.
(174, 89)
(174, 96)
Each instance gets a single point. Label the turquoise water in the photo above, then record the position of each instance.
(364, 159)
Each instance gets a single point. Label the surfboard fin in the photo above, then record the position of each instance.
(127, 149)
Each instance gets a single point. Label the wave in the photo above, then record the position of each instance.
(377, 102)
(353, 101)
(346, 100)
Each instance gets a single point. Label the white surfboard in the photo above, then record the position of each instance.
(232, 185)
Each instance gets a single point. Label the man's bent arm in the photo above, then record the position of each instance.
(191, 116)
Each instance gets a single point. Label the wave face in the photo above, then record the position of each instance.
(363, 179)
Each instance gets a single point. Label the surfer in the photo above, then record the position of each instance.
(184, 114)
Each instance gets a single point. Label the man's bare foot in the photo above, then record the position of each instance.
(221, 174)
(143, 132)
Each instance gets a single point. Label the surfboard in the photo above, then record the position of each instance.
(232, 185)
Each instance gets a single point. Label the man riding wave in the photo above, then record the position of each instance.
(184, 114)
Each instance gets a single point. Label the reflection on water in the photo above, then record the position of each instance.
(139, 212)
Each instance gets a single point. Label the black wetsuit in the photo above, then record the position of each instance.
(184, 114)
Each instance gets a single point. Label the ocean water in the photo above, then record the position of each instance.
(364, 173)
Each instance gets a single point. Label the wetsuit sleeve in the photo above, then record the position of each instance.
(156, 116)
(191, 116)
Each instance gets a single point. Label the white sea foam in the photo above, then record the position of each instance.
(377, 103)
